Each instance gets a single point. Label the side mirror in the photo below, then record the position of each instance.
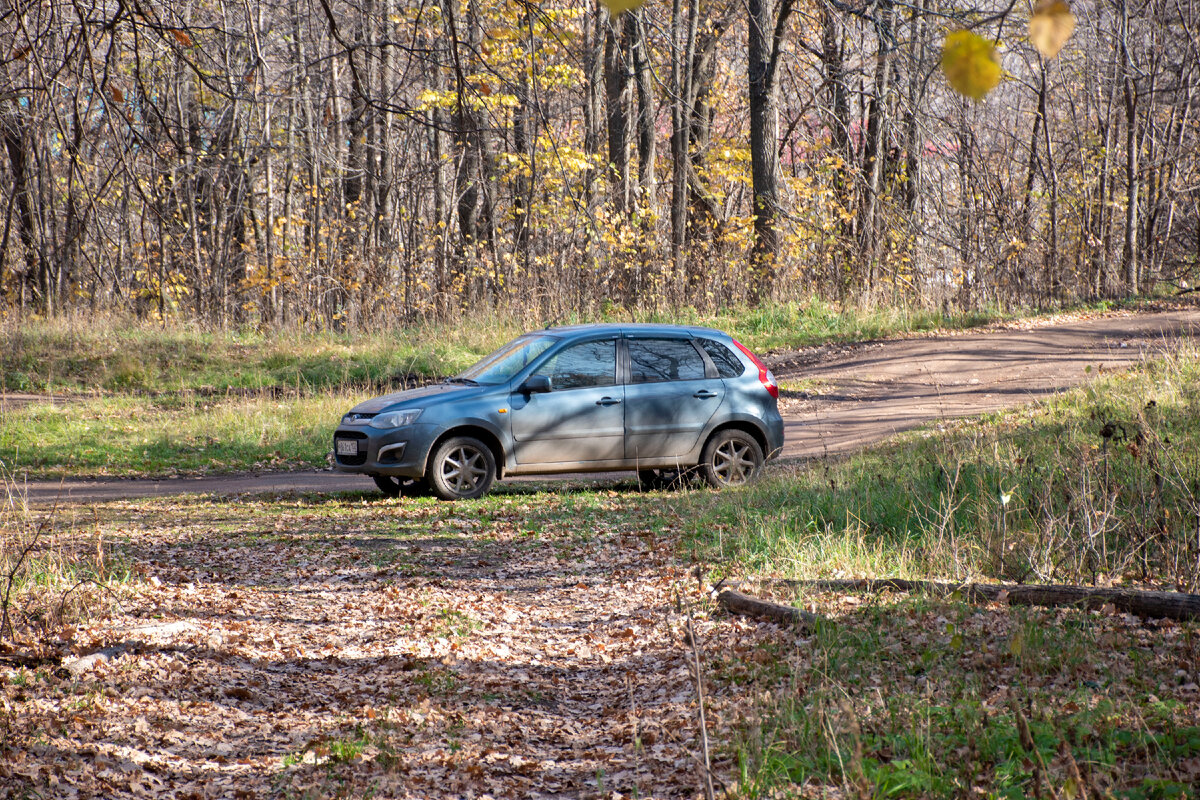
(536, 384)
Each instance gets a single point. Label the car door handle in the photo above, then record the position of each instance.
(704, 394)
(607, 401)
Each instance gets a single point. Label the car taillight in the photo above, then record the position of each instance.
(765, 376)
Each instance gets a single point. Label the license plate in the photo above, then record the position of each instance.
(347, 447)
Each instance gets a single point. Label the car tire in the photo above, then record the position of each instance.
(393, 486)
(731, 458)
(461, 468)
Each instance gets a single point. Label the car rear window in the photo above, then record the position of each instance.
(728, 364)
(655, 360)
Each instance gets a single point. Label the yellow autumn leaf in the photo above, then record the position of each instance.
(971, 64)
(618, 7)
(1050, 26)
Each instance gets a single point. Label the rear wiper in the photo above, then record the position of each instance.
(466, 381)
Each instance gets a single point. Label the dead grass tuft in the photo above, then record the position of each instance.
(50, 576)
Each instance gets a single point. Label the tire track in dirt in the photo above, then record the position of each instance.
(866, 392)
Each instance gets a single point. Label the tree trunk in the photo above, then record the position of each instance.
(970, 279)
(524, 146)
(1129, 251)
(15, 143)
(617, 95)
(765, 37)
(1051, 261)
(442, 221)
(683, 40)
(743, 604)
(593, 109)
(1101, 212)
(1150, 604)
(386, 238)
(1033, 168)
(704, 214)
(838, 122)
(635, 36)
(875, 155)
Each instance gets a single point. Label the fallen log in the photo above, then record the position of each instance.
(76, 667)
(1149, 604)
(737, 603)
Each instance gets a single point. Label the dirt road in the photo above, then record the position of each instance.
(867, 392)
(861, 393)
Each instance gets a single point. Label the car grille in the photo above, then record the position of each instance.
(352, 461)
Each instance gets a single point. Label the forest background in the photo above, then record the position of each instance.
(324, 163)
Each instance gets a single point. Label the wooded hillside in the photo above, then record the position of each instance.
(325, 162)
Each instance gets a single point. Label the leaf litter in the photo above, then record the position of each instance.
(527, 645)
(532, 645)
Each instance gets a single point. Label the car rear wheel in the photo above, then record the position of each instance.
(731, 458)
(461, 468)
(393, 486)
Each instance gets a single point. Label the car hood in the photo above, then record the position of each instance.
(439, 392)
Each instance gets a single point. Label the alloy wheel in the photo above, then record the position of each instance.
(463, 468)
(731, 458)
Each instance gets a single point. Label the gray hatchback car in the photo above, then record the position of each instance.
(663, 400)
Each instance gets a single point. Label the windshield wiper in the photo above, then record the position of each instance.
(466, 381)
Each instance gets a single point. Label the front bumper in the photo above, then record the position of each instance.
(400, 452)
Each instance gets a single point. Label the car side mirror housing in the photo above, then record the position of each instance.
(536, 384)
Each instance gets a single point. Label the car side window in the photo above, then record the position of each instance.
(655, 360)
(580, 365)
(728, 365)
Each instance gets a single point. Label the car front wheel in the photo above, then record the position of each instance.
(731, 458)
(461, 468)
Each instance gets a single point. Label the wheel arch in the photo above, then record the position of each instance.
(758, 434)
(479, 432)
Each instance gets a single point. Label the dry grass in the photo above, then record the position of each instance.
(53, 572)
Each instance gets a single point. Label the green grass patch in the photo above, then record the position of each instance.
(178, 435)
(118, 355)
(917, 698)
(123, 356)
(1097, 484)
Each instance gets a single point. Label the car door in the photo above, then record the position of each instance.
(669, 397)
(581, 418)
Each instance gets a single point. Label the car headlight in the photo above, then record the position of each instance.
(396, 419)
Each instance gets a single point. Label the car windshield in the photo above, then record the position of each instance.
(506, 362)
